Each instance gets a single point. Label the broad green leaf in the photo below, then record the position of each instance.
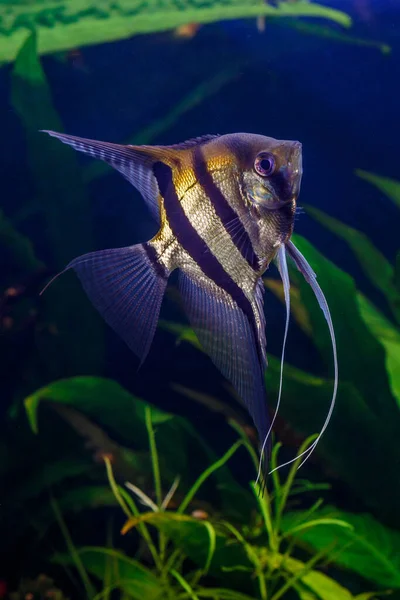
(125, 574)
(297, 308)
(390, 187)
(388, 335)
(84, 22)
(375, 266)
(304, 592)
(368, 548)
(98, 398)
(359, 353)
(343, 456)
(350, 456)
(192, 537)
(62, 200)
(324, 587)
(55, 169)
(164, 520)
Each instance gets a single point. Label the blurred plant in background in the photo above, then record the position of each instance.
(84, 22)
(245, 545)
(209, 537)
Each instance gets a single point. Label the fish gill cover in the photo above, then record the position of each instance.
(66, 24)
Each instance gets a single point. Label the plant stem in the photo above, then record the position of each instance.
(114, 487)
(282, 500)
(157, 480)
(202, 478)
(154, 456)
(246, 442)
(87, 584)
(129, 507)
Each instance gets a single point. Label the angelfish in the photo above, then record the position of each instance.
(225, 206)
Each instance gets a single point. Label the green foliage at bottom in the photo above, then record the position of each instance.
(168, 541)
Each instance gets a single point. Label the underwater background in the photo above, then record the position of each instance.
(80, 421)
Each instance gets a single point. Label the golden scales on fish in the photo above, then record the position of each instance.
(225, 206)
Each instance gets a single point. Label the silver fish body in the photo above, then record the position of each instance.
(226, 207)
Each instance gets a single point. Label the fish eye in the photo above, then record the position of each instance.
(264, 164)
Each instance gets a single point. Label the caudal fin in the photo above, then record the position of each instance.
(127, 286)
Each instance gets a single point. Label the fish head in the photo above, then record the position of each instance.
(270, 173)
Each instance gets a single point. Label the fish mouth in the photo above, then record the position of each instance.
(295, 169)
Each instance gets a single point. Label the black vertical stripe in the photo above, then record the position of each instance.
(195, 246)
(152, 256)
(224, 210)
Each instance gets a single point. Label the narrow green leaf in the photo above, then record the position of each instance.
(184, 585)
(191, 536)
(62, 201)
(375, 266)
(330, 33)
(388, 335)
(318, 522)
(350, 456)
(397, 272)
(127, 574)
(358, 350)
(222, 594)
(390, 187)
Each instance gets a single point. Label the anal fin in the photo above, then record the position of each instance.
(227, 337)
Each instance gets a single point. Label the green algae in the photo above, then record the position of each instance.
(62, 25)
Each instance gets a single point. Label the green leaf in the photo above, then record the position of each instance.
(125, 574)
(397, 272)
(97, 398)
(152, 132)
(358, 350)
(388, 335)
(390, 187)
(84, 22)
(324, 587)
(62, 200)
(329, 33)
(375, 266)
(297, 308)
(351, 456)
(367, 547)
(19, 247)
(222, 594)
(183, 333)
(192, 537)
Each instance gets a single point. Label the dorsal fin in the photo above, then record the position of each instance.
(192, 142)
(135, 163)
